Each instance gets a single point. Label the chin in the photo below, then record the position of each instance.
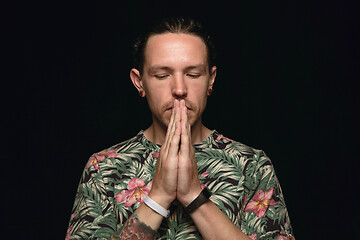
(164, 122)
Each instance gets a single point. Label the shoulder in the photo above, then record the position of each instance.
(249, 158)
(254, 163)
(240, 148)
(135, 141)
(115, 152)
(126, 146)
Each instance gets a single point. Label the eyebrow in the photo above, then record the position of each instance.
(159, 67)
(166, 68)
(197, 66)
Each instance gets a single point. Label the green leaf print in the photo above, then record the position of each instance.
(234, 173)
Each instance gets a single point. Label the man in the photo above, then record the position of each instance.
(158, 184)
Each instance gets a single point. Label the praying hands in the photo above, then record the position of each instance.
(176, 175)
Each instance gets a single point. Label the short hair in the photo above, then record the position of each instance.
(173, 25)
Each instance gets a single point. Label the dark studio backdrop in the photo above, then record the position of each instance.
(286, 83)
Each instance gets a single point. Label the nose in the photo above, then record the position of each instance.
(179, 89)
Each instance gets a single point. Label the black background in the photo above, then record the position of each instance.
(286, 83)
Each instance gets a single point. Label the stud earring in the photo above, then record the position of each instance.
(210, 90)
(141, 93)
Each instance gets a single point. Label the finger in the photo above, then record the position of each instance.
(185, 141)
(173, 126)
(192, 150)
(170, 129)
(174, 143)
(171, 121)
(189, 132)
(174, 129)
(186, 126)
(184, 119)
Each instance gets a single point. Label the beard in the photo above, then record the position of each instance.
(169, 105)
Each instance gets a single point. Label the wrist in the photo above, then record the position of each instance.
(156, 207)
(202, 198)
(187, 199)
(163, 201)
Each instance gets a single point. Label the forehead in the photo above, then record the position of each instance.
(175, 48)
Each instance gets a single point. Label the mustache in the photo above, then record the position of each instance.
(170, 104)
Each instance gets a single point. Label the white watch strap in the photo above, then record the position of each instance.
(156, 207)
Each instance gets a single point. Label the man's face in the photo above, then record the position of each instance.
(176, 67)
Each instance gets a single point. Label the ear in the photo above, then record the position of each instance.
(135, 77)
(212, 77)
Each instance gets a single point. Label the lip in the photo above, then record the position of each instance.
(170, 108)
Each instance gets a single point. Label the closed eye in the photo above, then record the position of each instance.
(194, 75)
(161, 76)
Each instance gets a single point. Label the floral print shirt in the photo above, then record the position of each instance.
(242, 181)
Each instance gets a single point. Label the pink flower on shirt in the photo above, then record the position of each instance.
(155, 154)
(73, 215)
(253, 236)
(205, 174)
(284, 236)
(260, 202)
(281, 237)
(68, 233)
(222, 137)
(98, 157)
(287, 237)
(137, 191)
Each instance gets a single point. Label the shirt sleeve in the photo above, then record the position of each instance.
(92, 215)
(265, 215)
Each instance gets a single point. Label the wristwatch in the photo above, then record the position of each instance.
(197, 202)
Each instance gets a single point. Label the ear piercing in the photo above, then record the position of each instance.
(141, 93)
(210, 90)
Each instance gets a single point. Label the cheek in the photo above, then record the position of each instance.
(199, 100)
(200, 92)
(155, 99)
(152, 100)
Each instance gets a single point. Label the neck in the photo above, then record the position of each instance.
(156, 133)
